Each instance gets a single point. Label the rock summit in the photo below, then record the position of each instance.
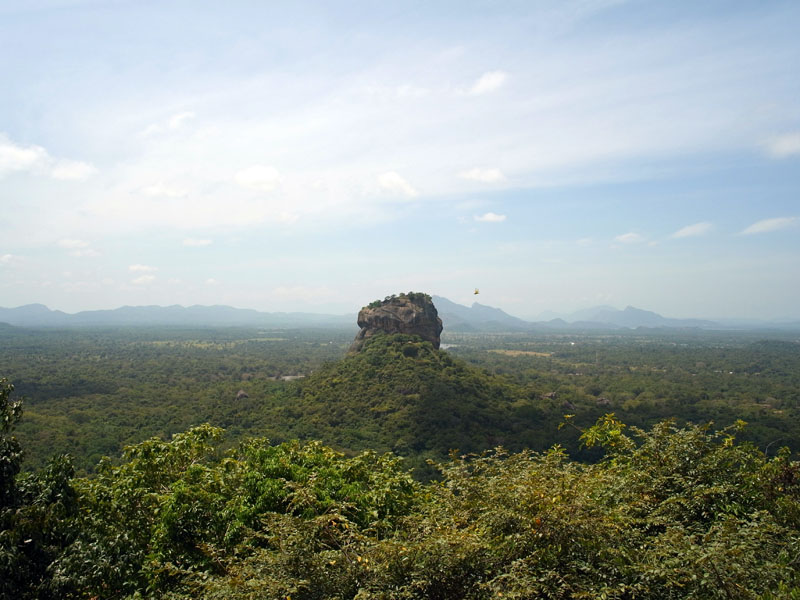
(412, 313)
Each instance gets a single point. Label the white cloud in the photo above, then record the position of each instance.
(14, 157)
(7, 259)
(144, 280)
(72, 170)
(262, 178)
(784, 145)
(284, 217)
(490, 217)
(693, 230)
(163, 190)
(769, 225)
(629, 238)
(142, 268)
(211, 281)
(194, 242)
(151, 130)
(202, 209)
(394, 183)
(483, 175)
(175, 121)
(69, 244)
(78, 248)
(19, 158)
(85, 253)
(170, 124)
(388, 93)
(411, 91)
(488, 82)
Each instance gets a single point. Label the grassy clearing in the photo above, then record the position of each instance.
(520, 352)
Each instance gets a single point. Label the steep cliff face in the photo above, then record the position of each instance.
(412, 314)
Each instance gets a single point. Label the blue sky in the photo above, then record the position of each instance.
(314, 156)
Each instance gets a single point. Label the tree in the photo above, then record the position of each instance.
(10, 450)
(37, 512)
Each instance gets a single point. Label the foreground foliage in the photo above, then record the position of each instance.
(673, 512)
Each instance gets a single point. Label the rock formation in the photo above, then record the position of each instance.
(412, 314)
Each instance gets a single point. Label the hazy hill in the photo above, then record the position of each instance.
(456, 318)
(398, 393)
(34, 315)
(481, 318)
(608, 317)
(478, 317)
(38, 315)
(635, 317)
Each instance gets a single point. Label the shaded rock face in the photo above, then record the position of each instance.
(412, 314)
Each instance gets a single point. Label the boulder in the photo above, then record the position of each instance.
(411, 314)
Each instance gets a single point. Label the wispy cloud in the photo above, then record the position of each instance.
(262, 178)
(144, 280)
(483, 175)
(142, 268)
(175, 121)
(72, 170)
(71, 243)
(394, 183)
(769, 225)
(85, 253)
(162, 190)
(14, 157)
(35, 159)
(630, 238)
(693, 230)
(412, 91)
(78, 248)
(171, 123)
(490, 217)
(782, 146)
(488, 82)
(195, 242)
(284, 217)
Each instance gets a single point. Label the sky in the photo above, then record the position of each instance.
(315, 156)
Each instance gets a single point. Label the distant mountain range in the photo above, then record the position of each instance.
(38, 315)
(632, 318)
(481, 318)
(478, 317)
(456, 318)
(485, 318)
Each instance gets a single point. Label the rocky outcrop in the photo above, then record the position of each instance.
(412, 314)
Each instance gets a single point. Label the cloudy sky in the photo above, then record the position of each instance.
(314, 156)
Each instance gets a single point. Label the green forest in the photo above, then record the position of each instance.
(244, 463)
(90, 393)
